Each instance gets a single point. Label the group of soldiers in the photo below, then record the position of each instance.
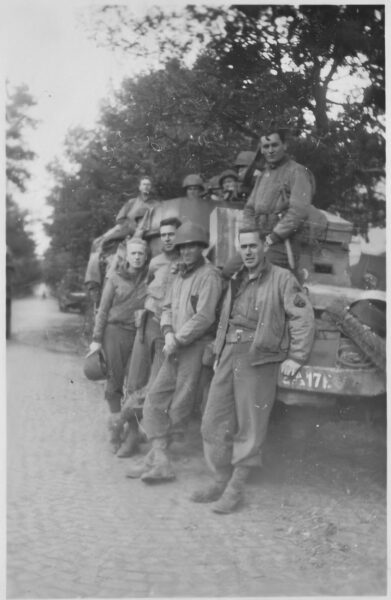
(177, 332)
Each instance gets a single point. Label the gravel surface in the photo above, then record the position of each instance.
(313, 521)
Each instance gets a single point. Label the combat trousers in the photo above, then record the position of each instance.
(117, 346)
(170, 400)
(147, 356)
(236, 416)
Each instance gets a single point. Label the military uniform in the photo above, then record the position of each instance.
(123, 294)
(265, 319)
(147, 355)
(279, 204)
(189, 312)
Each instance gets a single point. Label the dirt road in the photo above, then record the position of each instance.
(314, 521)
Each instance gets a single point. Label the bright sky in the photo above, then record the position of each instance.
(47, 48)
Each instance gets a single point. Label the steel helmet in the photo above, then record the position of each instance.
(193, 180)
(214, 183)
(244, 158)
(190, 232)
(95, 367)
(228, 173)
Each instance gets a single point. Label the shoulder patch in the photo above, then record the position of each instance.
(299, 301)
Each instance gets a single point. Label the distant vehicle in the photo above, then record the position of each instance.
(71, 294)
(9, 276)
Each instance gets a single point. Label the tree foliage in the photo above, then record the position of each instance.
(229, 74)
(18, 155)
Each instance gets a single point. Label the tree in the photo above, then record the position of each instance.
(254, 65)
(18, 155)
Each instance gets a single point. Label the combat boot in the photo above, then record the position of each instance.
(136, 470)
(115, 427)
(213, 490)
(161, 469)
(131, 442)
(234, 491)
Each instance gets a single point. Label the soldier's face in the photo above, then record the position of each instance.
(167, 235)
(273, 148)
(145, 186)
(135, 255)
(251, 249)
(229, 184)
(190, 253)
(193, 191)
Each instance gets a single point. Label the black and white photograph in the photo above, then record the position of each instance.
(195, 310)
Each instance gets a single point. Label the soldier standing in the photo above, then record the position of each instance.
(147, 355)
(266, 320)
(188, 324)
(114, 328)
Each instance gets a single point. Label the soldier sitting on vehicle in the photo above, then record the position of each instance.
(228, 181)
(147, 355)
(188, 325)
(280, 201)
(266, 320)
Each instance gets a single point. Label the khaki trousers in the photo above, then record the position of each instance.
(237, 411)
(170, 400)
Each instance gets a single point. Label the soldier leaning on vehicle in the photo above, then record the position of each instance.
(188, 324)
(147, 355)
(115, 330)
(266, 321)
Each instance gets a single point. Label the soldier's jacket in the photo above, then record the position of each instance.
(280, 200)
(123, 294)
(279, 313)
(161, 274)
(134, 209)
(189, 308)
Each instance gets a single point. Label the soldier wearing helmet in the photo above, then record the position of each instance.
(188, 323)
(193, 186)
(228, 181)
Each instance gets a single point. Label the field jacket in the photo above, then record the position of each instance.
(161, 274)
(280, 200)
(285, 324)
(189, 309)
(123, 294)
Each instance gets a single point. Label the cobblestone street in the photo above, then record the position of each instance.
(77, 527)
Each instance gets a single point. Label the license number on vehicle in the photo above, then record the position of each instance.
(308, 379)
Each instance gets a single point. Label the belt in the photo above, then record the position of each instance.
(239, 335)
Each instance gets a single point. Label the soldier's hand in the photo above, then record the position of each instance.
(170, 344)
(290, 367)
(94, 347)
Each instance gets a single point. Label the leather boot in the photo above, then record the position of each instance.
(161, 469)
(130, 444)
(234, 491)
(213, 490)
(114, 426)
(138, 468)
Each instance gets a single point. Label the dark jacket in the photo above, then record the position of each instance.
(285, 318)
